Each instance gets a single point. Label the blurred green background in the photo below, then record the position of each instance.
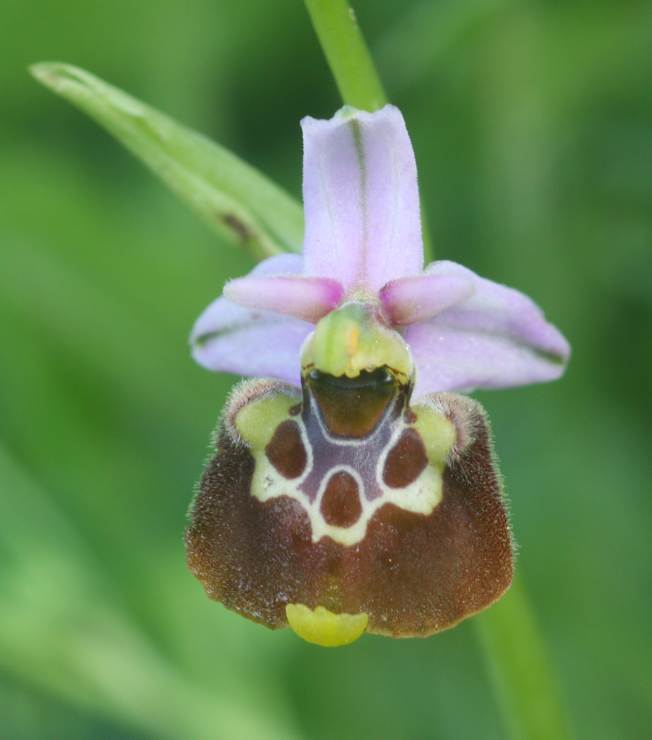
(532, 124)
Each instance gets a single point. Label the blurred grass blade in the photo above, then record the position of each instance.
(62, 631)
(520, 671)
(241, 204)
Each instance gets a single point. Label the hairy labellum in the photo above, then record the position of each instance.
(341, 499)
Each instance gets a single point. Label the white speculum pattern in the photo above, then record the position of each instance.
(363, 459)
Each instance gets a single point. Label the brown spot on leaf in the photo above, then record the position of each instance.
(238, 227)
(405, 460)
(286, 451)
(340, 505)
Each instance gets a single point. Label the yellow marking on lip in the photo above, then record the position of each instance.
(257, 420)
(322, 627)
(353, 340)
(437, 432)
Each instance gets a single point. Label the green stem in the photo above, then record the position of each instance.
(519, 670)
(347, 53)
(513, 648)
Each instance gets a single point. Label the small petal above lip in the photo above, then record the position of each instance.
(495, 338)
(411, 299)
(305, 298)
(232, 339)
(361, 199)
(498, 309)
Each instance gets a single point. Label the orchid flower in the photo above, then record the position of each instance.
(352, 488)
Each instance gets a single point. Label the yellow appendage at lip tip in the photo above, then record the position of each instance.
(322, 627)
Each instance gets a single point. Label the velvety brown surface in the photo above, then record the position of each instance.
(412, 574)
(405, 460)
(341, 505)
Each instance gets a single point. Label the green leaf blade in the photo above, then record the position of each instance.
(242, 205)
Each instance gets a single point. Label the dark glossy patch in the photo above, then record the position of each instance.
(286, 451)
(352, 407)
(405, 460)
(340, 505)
(412, 574)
